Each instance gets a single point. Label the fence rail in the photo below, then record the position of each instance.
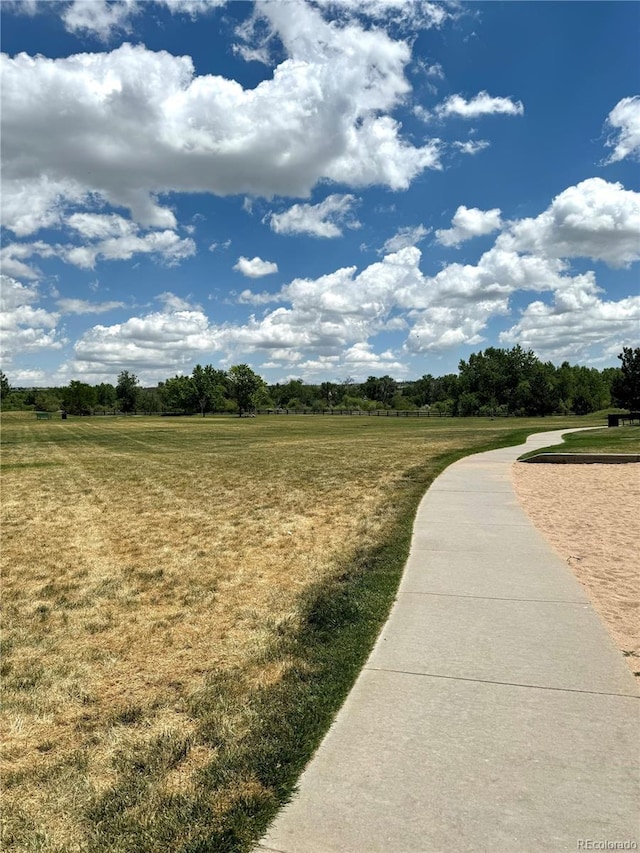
(393, 413)
(375, 413)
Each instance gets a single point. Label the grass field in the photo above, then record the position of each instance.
(186, 604)
(621, 439)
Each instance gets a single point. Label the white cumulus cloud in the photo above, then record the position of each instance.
(98, 16)
(104, 18)
(14, 255)
(325, 219)
(24, 326)
(100, 226)
(624, 119)
(129, 125)
(255, 267)
(158, 343)
(576, 320)
(469, 222)
(166, 246)
(594, 219)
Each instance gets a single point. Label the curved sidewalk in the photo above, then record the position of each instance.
(494, 712)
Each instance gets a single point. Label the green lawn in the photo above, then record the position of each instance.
(187, 602)
(621, 439)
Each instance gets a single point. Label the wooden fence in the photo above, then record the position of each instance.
(376, 413)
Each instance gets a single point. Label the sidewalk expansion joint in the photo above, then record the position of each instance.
(494, 597)
(502, 683)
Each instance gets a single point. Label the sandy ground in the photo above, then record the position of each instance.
(591, 516)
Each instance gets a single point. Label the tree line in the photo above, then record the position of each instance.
(491, 382)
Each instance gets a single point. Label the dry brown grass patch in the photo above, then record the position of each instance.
(142, 557)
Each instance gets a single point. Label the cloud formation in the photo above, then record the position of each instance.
(577, 319)
(482, 104)
(326, 219)
(327, 324)
(156, 344)
(323, 115)
(164, 246)
(624, 119)
(14, 255)
(471, 146)
(25, 327)
(99, 146)
(469, 222)
(103, 19)
(83, 306)
(595, 219)
(408, 236)
(255, 268)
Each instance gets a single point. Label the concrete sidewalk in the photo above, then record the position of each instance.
(494, 712)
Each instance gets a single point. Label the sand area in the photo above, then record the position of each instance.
(591, 516)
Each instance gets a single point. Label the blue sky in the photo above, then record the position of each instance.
(322, 190)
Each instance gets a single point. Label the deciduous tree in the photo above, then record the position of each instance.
(626, 387)
(244, 385)
(79, 398)
(127, 391)
(208, 387)
(5, 388)
(178, 393)
(106, 395)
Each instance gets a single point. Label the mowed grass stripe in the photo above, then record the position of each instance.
(187, 603)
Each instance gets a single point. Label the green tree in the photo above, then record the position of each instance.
(5, 388)
(295, 390)
(127, 391)
(402, 403)
(566, 385)
(330, 393)
(381, 389)
(591, 392)
(544, 389)
(106, 395)
(178, 393)
(48, 400)
(209, 387)
(149, 400)
(263, 399)
(468, 404)
(514, 378)
(244, 386)
(78, 398)
(626, 387)
(421, 391)
(29, 397)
